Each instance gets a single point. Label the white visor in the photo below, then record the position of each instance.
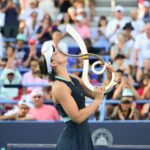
(47, 50)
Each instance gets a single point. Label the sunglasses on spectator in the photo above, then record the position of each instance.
(37, 96)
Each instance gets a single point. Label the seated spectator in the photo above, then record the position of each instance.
(11, 57)
(141, 47)
(21, 51)
(9, 77)
(129, 44)
(124, 110)
(145, 70)
(32, 54)
(98, 35)
(82, 28)
(57, 41)
(121, 63)
(120, 47)
(22, 111)
(125, 84)
(64, 5)
(115, 25)
(66, 19)
(33, 7)
(47, 7)
(3, 64)
(40, 110)
(91, 48)
(118, 78)
(32, 26)
(44, 31)
(146, 17)
(47, 92)
(138, 24)
(30, 77)
(145, 87)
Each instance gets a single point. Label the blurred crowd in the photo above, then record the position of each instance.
(123, 40)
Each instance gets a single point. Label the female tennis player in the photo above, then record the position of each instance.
(68, 92)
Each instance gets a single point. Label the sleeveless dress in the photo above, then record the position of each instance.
(74, 136)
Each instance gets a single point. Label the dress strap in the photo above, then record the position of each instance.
(66, 119)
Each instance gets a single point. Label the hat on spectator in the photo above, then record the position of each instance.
(79, 18)
(21, 37)
(26, 102)
(119, 8)
(33, 1)
(128, 26)
(10, 71)
(127, 92)
(36, 92)
(146, 4)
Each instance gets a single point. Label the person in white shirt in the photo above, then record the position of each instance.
(9, 77)
(129, 41)
(33, 7)
(115, 25)
(142, 47)
(138, 24)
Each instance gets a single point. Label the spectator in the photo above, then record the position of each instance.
(137, 24)
(11, 56)
(22, 112)
(98, 35)
(3, 64)
(141, 47)
(57, 41)
(32, 26)
(40, 110)
(143, 70)
(47, 7)
(146, 17)
(91, 48)
(124, 110)
(44, 31)
(121, 63)
(82, 28)
(109, 107)
(30, 77)
(33, 7)
(9, 77)
(66, 19)
(22, 27)
(64, 5)
(145, 87)
(11, 19)
(115, 25)
(21, 50)
(120, 47)
(2, 23)
(1, 45)
(125, 84)
(129, 41)
(47, 91)
(32, 54)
